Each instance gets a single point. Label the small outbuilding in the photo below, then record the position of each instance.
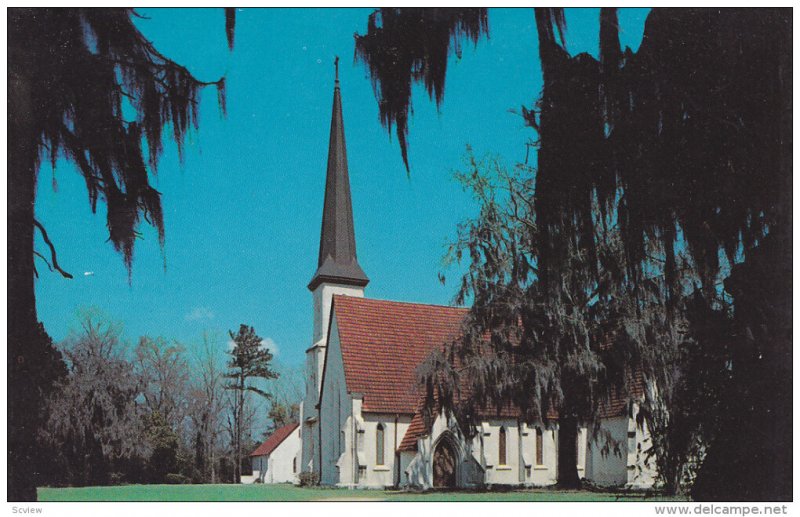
(276, 460)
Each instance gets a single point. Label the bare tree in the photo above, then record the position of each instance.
(287, 392)
(164, 376)
(206, 407)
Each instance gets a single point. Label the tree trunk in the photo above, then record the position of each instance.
(568, 453)
(213, 467)
(240, 412)
(23, 402)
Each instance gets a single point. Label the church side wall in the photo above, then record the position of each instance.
(606, 467)
(315, 362)
(544, 473)
(521, 466)
(498, 473)
(641, 469)
(335, 417)
(630, 466)
(394, 428)
(479, 463)
(259, 466)
(582, 446)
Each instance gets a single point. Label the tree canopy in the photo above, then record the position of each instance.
(659, 172)
(87, 85)
(97, 89)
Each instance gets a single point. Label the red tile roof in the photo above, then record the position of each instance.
(617, 404)
(416, 429)
(274, 440)
(383, 342)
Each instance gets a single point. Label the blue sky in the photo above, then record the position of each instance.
(243, 210)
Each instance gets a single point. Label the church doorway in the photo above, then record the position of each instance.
(444, 465)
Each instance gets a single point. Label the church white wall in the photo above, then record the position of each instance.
(309, 417)
(336, 417)
(315, 362)
(521, 464)
(583, 440)
(641, 468)
(349, 438)
(544, 473)
(607, 466)
(372, 474)
(501, 473)
(406, 457)
(618, 454)
(418, 467)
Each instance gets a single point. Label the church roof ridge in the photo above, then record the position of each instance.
(403, 302)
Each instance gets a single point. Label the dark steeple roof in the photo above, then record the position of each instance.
(337, 244)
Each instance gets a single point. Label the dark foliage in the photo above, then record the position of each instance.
(230, 23)
(163, 445)
(705, 82)
(685, 416)
(308, 478)
(565, 351)
(93, 422)
(668, 165)
(749, 458)
(280, 415)
(410, 45)
(43, 363)
(713, 84)
(86, 85)
(85, 66)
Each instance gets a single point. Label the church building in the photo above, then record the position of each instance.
(361, 421)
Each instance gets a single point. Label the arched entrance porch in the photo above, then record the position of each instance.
(444, 463)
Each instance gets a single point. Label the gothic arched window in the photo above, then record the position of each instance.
(502, 447)
(379, 445)
(539, 447)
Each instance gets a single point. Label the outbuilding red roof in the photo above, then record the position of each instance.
(274, 440)
(383, 342)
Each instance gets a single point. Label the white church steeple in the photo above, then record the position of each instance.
(338, 272)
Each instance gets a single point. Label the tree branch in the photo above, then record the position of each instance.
(52, 250)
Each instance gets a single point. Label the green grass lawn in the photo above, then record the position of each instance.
(293, 493)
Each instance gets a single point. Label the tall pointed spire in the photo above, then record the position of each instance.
(337, 244)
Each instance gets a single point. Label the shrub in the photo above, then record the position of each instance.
(176, 479)
(309, 479)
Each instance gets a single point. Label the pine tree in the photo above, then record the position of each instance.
(249, 361)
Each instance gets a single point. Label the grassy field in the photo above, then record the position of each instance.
(188, 493)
